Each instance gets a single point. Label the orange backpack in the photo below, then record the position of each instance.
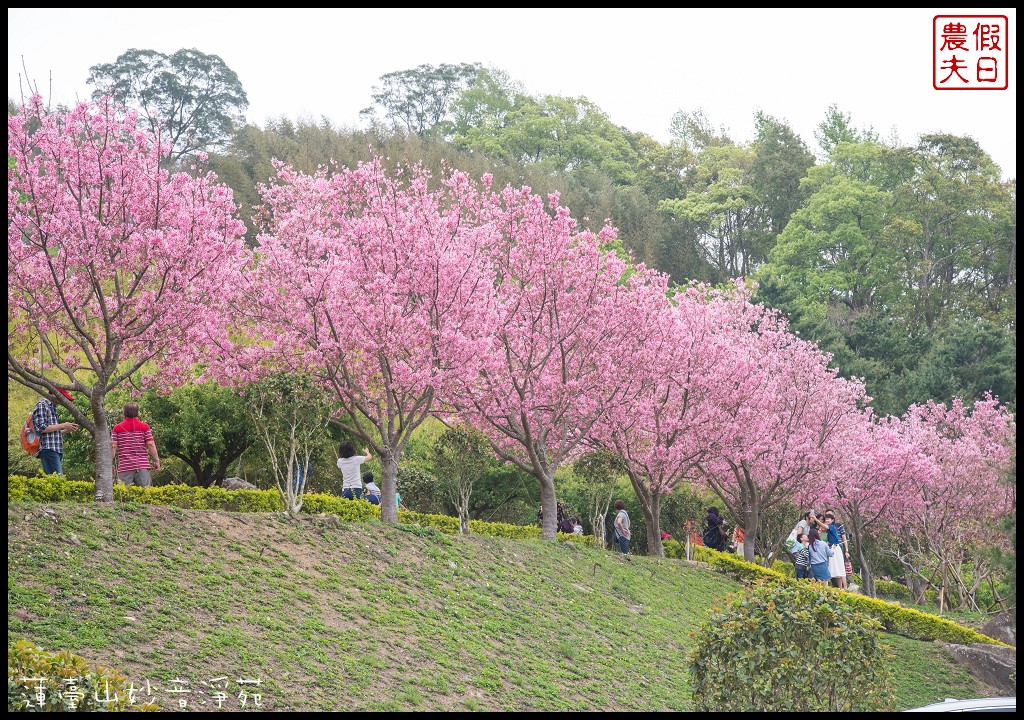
(29, 437)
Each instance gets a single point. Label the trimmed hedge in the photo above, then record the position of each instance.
(914, 623)
(732, 564)
(894, 618)
(54, 488)
(786, 568)
(48, 488)
(674, 549)
(892, 590)
(898, 592)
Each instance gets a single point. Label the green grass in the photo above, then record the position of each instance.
(924, 674)
(372, 617)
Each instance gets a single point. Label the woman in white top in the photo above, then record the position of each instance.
(804, 526)
(348, 463)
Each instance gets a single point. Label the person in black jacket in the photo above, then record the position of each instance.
(714, 530)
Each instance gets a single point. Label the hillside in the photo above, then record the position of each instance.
(370, 616)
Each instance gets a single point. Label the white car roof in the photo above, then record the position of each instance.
(996, 704)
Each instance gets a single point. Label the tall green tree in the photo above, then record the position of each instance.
(948, 226)
(487, 101)
(836, 128)
(562, 133)
(722, 206)
(198, 99)
(901, 263)
(696, 130)
(419, 99)
(781, 161)
(833, 253)
(965, 358)
(206, 426)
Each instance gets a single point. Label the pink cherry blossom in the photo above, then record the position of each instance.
(112, 261)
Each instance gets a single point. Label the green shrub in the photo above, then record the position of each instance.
(894, 618)
(914, 623)
(734, 565)
(48, 488)
(789, 647)
(54, 488)
(505, 530)
(898, 592)
(892, 590)
(41, 681)
(346, 510)
(674, 549)
(786, 568)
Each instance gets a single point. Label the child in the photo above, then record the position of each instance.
(577, 526)
(801, 556)
(372, 491)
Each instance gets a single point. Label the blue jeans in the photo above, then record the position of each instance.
(803, 572)
(623, 545)
(352, 493)
(51, 460)
(373, 498)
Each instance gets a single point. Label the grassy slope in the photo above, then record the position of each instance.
(373, 617)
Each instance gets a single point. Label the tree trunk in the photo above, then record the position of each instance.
(295, 482)
(463, 513)
(652, 518)
(600, 531)
(753, 519)
(867, 578)
(388, 488)
(194, 465)
(463, 494)
(104, 479)
(650, 506)
(222, 468)
(917, 585)
(942, 590)
(549, 508)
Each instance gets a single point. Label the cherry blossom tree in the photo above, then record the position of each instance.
(568, 344)
(874, 481)
(965, 496)
(781, 407)
(378, 285)
(111, 262)
(675, 413)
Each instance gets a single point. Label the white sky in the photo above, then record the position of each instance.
(639, 66)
